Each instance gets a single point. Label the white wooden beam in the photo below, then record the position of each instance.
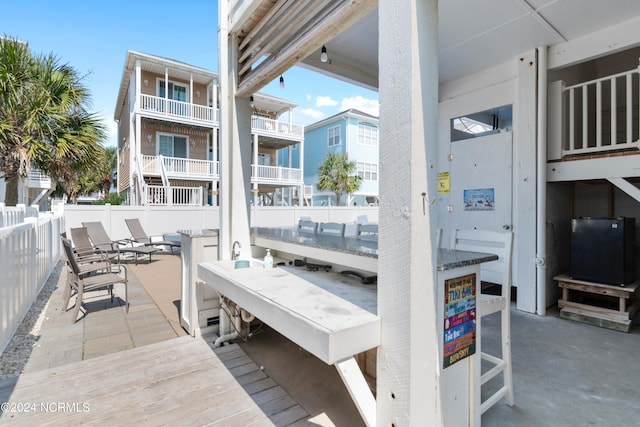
(626, 186)
(358, 389)
(408, 375)
(273, 66)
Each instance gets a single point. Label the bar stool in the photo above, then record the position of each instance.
(498, 272)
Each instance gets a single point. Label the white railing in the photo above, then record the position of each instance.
(157, 195)
(150, 165)
(38, 179)
(600, 114)
(172, 108)
(29, 253)
(261, 173)
(276, 128)
(179, 167)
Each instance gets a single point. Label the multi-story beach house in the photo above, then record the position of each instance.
(355, 134)
(168, 137)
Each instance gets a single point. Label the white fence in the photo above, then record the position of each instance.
(12, 215)
(29, 252)
(159, 220)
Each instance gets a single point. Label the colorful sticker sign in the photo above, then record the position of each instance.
(459, 319)
(482, 199)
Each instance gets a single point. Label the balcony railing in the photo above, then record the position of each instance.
(275, 174)
(275, 128)
(178, 109)
(38, 179)
(158, 195)
(600, 114)
(176, 167)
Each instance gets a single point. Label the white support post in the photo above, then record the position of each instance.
(235, 158)
(408, 374)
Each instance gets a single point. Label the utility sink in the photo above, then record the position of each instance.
(239, 263)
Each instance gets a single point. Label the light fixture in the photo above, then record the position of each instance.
(146, 82)
(198, 93)
(281, 82)
(251, 102)
(323, 55)
(149, 138)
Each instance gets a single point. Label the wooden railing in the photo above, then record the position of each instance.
(602, 114)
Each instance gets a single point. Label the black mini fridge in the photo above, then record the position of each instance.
(603, 250)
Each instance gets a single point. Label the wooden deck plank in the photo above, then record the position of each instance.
(180, 381)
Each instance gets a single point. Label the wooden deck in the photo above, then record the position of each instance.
(181, 381)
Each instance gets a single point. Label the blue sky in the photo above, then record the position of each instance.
(94, 36)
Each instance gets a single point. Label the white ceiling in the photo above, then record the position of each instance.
(477, 34)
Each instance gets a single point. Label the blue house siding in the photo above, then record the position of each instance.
(317, 147)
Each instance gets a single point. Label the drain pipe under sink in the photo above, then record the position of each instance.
(225, 322)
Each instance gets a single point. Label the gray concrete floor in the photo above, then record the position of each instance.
(565, 373)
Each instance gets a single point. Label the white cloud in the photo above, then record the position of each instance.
(311, 114)
(111, 139)
(325, 101)
(369, 106)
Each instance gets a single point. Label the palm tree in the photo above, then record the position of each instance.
(44, 118)
(336, 173)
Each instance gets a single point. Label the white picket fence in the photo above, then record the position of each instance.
(29, 252)
(30, 247)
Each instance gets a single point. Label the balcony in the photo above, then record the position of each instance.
(261, 174)
(39, 179)
(275, 128)
(207, 170)
(175, 167)
(168, 109)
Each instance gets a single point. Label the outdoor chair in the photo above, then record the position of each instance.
(85, 250)
(497, 272)
(86, 263)
(103, 242)
(331, 229)
(307, 226)
(138, 235)
(367, 232)
(90, 277)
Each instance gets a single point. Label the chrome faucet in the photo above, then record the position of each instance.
(235, 250)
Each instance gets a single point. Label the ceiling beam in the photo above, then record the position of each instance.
(337, 21)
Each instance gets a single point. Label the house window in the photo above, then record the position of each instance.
(368, 171)
(177, 91)
(333, 135)
(482, 123)
(173, 146)
(367, 134)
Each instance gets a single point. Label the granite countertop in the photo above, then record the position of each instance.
(199, 233)
(350, 245)
(448, 259)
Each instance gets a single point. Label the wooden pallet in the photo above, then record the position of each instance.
(607, 306)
